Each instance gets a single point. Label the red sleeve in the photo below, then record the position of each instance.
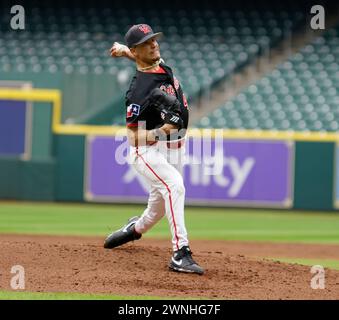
(131, 125)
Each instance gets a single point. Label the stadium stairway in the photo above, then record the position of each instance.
(305, 39)
(300, 94)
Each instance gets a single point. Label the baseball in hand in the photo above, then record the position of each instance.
(118, 49)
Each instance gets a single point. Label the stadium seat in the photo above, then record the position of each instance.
(300, 94)
(65, 37)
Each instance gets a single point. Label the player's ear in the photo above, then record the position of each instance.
(134, 52)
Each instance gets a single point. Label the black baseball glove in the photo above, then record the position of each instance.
(162, 100)
(169, 107)
(172, 118)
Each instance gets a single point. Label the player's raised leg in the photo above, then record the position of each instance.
(153, 166)
(136, 226)
(153, 213)
(126, 234)
(167, 179)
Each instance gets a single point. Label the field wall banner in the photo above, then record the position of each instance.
(226, 172)
(12, 127)
(15, 124)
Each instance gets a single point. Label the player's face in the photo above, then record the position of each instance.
(148, 52)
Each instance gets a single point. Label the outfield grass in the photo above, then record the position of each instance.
(202, 223)
(326, 263)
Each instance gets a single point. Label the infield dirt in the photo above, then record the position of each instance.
(234, 270)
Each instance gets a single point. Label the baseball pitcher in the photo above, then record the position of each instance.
(156, 119)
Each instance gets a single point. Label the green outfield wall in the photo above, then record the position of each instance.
(314, 175)
(54, 169)
(27, 180)
(56, 173)
(69, 155)
(82, 93)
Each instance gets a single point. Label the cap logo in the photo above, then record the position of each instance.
(145, 28)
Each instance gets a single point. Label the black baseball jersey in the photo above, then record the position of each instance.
(141, 86)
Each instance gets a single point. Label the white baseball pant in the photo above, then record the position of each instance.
(161, 166)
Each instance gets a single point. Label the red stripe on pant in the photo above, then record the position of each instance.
(169, 195)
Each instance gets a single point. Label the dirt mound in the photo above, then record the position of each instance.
(81, 264)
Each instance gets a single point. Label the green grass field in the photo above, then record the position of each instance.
(326, 263)
(203, 223)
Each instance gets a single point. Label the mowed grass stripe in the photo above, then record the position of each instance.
(326, 263)
(202, 223)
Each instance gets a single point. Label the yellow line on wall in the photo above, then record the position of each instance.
(48, 95)
(55, 96)
(78, 129)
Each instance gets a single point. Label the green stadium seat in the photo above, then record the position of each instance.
(76, 40)
(301, 94)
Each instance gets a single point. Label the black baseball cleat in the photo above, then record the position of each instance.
(125, 234)
(182, 261)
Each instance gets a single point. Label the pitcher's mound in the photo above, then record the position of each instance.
(81, 264)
